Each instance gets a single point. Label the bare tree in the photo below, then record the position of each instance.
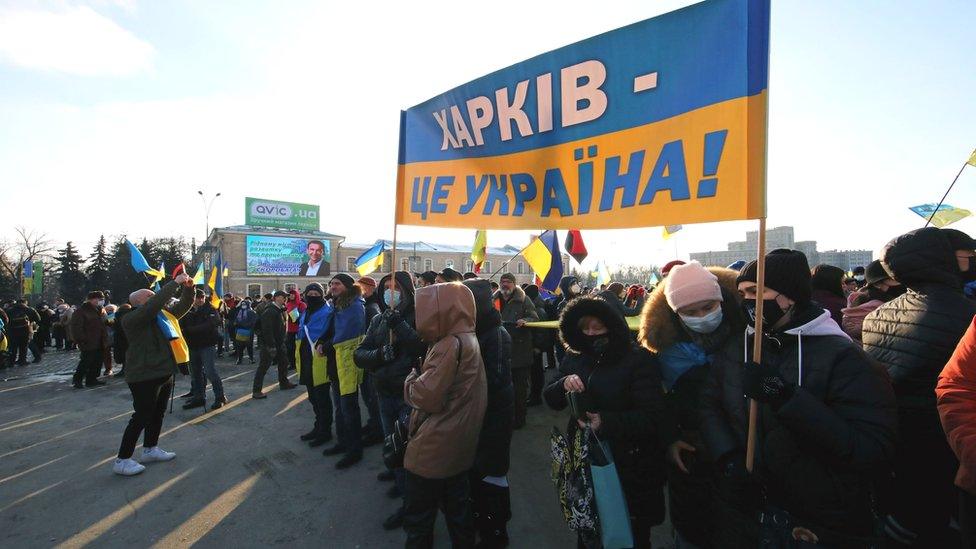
(29, 245)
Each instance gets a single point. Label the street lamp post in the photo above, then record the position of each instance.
(206, 212)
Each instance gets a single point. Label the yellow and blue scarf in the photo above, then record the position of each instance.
(171, 331)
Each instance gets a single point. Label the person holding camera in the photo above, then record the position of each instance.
(389, 360)
(149, 371)
(615, 388)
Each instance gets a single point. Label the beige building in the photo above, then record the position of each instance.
(782, 237)
(232, 243)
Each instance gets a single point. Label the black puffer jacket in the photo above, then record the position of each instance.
(409, 349)
(624, 387)
(817, 454)
(914, 335)
(199, 327)
(494, 444)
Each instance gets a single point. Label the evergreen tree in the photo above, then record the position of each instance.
(171, 252)
(71, 280)
(122, 278)
(97, 269)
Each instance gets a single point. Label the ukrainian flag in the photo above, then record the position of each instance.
(945, 214)
(544, 258)
(371, 259)
(200, 278)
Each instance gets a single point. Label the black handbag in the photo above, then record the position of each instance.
(395, 443)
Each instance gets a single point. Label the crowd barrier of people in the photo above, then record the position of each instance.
(866, 427)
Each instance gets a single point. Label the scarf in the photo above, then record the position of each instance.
(170, 327)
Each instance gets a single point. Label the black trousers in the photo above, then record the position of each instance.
(268, 354)
(18, 347)
(149, 399)
(537, 377)
(424, 496)
(290, 350)
(89, 365)
(320, 398)
(240, 346)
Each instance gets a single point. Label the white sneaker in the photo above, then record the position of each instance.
(155, 454)
(127, 467)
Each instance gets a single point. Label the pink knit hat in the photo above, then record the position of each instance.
(691, 283)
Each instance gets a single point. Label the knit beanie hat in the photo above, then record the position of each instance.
(666, 269)
(367, 281)
(787, 272)
(508, 276)
(345, 279)
(691, 283)
(315, 286)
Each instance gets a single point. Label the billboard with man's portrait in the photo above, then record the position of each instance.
(287, 256)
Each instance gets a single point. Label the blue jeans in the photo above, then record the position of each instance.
(348, 421)
(202, 364)
(393, 408)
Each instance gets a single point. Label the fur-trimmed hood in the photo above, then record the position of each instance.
(572, 336)
(660, 327)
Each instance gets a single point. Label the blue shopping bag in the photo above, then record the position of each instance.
(611, 506)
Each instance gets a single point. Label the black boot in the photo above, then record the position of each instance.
(193, 403)
(349, 460)
(311, 435)
(394, 521)
(492, 511)
(320, 440)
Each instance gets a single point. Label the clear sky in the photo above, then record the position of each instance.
(113, 113)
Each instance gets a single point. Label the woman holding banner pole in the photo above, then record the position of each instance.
(824, 426)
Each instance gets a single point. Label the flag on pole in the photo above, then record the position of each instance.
(200, 278)
(653, 280)
(160, 274)
(574, 245)
(944, 216)
(479, 249)
(371, 259)
(226, 269)
(669, 230)
(602, 273)
(544, 258)
(218, 282)
(139, 262)
(972, 159)
(181, 268)
(212, 283)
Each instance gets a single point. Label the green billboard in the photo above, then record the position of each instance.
(259, 212)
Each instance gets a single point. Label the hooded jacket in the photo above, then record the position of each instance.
(914, 335)
(518, 307)
(495, 442)
(449, 393)
(624, 387)
(818, 453)
(295, 303)
(853, 318)
(408, 348)
(956, 394)
(566, 295)
(272, 327)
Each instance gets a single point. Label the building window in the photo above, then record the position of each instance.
(449, 264)
(468, 266)
(428, 265)
(486, 267)
(254, 290)
(520, 268)
(289, 286)
(350, 264)
(405, 265)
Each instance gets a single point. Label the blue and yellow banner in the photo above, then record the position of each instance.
(661, 122)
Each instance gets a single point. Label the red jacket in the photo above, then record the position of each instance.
(297, 303)
(956, 392)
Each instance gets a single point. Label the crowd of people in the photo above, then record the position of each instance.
(866, 388)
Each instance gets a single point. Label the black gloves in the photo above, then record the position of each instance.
(388, 352)
(393, 318)
(764, 383)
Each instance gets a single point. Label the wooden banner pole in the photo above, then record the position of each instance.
(757, 341)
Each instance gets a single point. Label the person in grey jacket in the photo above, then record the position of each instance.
(516, 309)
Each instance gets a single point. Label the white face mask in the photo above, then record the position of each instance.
(574, 288)
(703, 324)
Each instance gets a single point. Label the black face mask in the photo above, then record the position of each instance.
(895, 291)
(315, 300)
(969, 275)
(772, 313)
(597, 343)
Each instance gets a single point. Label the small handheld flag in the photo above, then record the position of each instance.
(944, 215)
(371, 259)
(479, 250)
(972, 160)
(544, 258)
(200, 278)
(669, 230)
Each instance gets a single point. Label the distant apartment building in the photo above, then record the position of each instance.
(782, 237)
